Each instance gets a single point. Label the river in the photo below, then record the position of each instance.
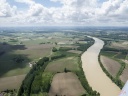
(97, 79)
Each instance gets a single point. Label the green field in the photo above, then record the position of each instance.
(120, 56)
(109, 53)
(70, 63)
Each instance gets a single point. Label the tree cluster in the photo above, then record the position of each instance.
(25, 89)
(57, 56)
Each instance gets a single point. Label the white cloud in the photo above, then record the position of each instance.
(6, 10)
(86, 12)
(29, 2)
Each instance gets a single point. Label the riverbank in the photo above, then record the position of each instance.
(97, 79)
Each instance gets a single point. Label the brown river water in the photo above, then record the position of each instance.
(97, 79)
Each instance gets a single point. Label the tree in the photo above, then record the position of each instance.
(65, 70)
(54, 49)
(55, 43)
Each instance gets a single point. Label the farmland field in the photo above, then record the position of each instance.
(66, 84)
(124, 76)
(111, 65)
(75, 51)
(12, 82)
(119, 45)
(69, 63)
(109, 53)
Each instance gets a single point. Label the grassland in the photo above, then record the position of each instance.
(75, 51)
(70, 63)
(109, 53)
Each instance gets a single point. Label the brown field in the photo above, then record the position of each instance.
(35, 51)
(11, 82)
(120, 45)
(124, 76)
(59, 65)
(75, 51)
(111, 65)
(66, 84)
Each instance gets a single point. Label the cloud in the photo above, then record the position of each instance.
(6, 10)
(79, 12)
(29, 2)
(113, 11)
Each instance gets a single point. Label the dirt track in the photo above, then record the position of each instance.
(94, 74)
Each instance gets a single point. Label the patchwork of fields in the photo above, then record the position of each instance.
(19, 52)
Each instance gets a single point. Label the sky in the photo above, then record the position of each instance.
(63, 12)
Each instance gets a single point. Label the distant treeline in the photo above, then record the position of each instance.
(65, 48)
(57, 56)
(84, 47)
(86, 39)
(123, 51)
(114, 35)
